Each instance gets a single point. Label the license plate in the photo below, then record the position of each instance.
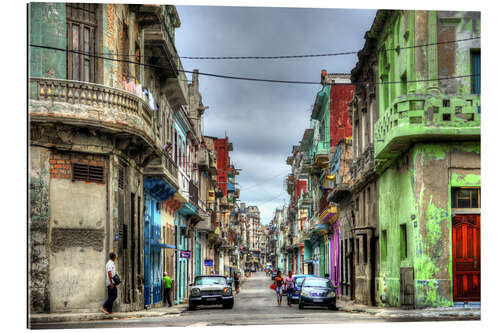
(318, 300)
(212, 299)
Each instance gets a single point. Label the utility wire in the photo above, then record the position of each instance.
(264, 181)
(246, 78)
(289, 56)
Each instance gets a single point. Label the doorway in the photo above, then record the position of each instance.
(466, 230)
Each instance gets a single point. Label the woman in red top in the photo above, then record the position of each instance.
(278, 281)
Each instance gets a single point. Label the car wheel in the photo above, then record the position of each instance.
(301, 305)
(191, 307)
(228, 305)
(333, 307)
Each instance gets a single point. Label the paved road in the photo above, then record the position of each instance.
(255, 305)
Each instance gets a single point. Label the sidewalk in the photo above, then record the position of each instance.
(90, 316)
(468, 313)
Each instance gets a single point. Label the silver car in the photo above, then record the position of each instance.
(210, 290)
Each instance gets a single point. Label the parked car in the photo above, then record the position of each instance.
(210, 290)
(297, 281)
(318, 291)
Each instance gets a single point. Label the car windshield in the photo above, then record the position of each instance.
(318, 283)
(209, 280)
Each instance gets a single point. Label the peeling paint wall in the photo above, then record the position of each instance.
(38, 229)
(47, 27)
(422, 182)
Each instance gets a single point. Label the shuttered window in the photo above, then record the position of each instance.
(87, 173)
(81, 29)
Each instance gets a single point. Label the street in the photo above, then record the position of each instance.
(255, 305)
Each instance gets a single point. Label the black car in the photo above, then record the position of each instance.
(318, 292)
(210, 290)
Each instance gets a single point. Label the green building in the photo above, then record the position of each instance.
(427, 157)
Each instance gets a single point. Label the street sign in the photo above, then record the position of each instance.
(185, 254)
(208, 262)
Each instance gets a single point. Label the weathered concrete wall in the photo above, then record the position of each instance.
(422, 182)
(77, 258)
(39, 182)
(47, 27)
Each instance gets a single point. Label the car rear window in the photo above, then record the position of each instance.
(209, 280)
(318, 283)
(299, 280)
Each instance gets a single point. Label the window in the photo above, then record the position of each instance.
(404, 88)
(403, 242)
(383, 245)
(81, 31)
(87, 173)
(476, 71)
(465, 197)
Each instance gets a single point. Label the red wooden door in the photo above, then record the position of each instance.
(466, 257)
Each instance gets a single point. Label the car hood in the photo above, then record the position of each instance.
(211, 287)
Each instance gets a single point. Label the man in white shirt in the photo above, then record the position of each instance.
(107, 307)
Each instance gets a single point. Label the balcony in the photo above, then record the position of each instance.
(96, 107)
(193, 193)
(321, 153)
(203, 159)
(212, 167)
(205, 224)
(163, 168)
(160, 51)
(413, 118)
(305, 200)
(339, 193)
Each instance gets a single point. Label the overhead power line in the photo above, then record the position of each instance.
(290, 56)
(241, 77)
(321, 54)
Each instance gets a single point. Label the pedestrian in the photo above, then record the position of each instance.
(327, 276)
(278, 281)
(167, 285)
(289, 287)
(107, 307)
(236, 280)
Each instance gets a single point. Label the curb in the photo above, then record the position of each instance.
(58, 318)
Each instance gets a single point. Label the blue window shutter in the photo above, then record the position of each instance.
(476, 69)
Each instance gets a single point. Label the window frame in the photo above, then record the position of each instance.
(84, 22)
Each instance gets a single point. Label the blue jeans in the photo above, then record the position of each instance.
(289, 293)
(112, 295)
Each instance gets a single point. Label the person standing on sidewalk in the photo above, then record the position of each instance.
(278, 281)
(167, 285)
(289, 287)
(236, 280)
(107, 307)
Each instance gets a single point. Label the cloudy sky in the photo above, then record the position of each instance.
(264, 120)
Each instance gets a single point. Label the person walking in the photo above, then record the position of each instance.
(107, 307)
(289, 287)
(167, 285)
(278, 281)
(236, 280)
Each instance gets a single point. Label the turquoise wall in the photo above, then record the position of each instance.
(47, 27)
